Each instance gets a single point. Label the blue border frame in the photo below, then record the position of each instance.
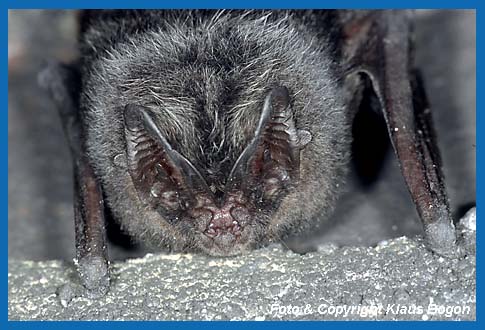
(73, 4)
(240, 4)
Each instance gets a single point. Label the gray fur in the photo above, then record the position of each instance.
(205, 79)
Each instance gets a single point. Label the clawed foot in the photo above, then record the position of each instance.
(443, 239)
(94, 275)
(93, 281)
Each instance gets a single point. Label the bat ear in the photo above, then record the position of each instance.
(162, 176)
(271, 161)
(377, 45)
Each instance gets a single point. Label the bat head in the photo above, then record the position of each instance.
(211, 125)
(225, 210)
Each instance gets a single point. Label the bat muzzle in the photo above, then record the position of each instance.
(224, 229)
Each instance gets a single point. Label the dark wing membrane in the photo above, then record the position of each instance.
(377, 45)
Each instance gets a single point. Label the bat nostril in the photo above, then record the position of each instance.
(205, 218)
(222, 223)
(240, 215)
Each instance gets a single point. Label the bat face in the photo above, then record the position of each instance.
(215, 138)
(226, 212)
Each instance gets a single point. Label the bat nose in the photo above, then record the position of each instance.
(223, 224)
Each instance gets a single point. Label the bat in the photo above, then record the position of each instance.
(221, 131)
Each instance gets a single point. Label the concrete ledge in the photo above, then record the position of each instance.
(397, 280)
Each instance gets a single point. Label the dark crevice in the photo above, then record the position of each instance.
(370, 139)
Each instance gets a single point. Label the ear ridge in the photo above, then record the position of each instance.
(284, 139)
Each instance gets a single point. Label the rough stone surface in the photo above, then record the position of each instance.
(398, 279)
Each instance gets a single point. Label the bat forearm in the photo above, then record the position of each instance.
(91, 252)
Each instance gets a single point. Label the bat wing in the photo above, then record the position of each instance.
(63, 83)
(377, 45)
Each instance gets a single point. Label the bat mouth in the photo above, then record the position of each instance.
(224, 240)
(225, 244)
(224, 236)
